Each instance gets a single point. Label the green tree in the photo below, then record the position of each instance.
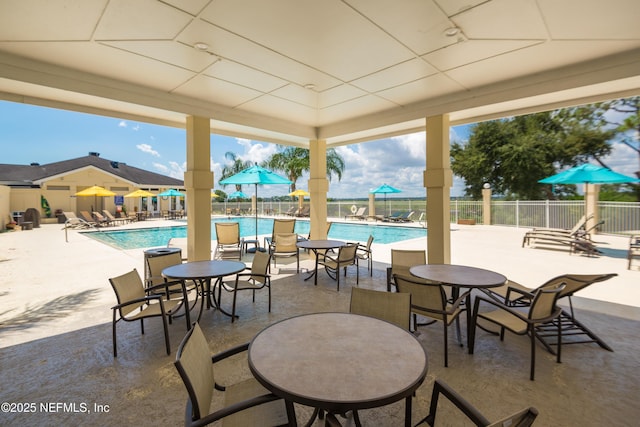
(294, 161)
(237, 165)
(513, 154)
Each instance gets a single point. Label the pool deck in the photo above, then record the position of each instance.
(55, 334)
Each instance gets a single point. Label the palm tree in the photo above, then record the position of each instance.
(237, 165)
(294, 161)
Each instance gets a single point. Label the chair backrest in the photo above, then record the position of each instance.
(394, 307)
(544, 301)
(86, 216)
(575, 282)
(285, 242)
(128, 287)
(523, 418)
(70, 215)
(156, 264)
(347, 253)
(193, 362)
(283, 226)
(425, 296)
(361, 211)
(402, 260)
(260, 266)
(108, 214)
(228, 233)
(369, 242)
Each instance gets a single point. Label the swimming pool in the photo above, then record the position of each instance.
(159, 236)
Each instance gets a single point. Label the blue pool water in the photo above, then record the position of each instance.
(159, 236)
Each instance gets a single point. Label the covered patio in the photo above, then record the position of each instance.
(55, 341)
(316, 75)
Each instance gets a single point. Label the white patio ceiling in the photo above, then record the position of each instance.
(293, 70)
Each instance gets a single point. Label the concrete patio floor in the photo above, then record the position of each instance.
(55, 335)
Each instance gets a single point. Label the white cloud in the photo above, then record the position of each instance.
(122, 124)
(146, 148)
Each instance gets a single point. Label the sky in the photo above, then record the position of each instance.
(46, 135)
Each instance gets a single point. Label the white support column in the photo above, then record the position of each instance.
(438, 179)
(318, 188)
(198, 181)
(591, 196)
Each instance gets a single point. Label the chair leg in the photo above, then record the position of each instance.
(233, 307)
(115, 350)
(533, 352)
(446, 343)
(166, 332)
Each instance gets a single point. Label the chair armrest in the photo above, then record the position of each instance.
(522, 292)
(455, 304)
(440, 387)
(499, 305)
(138, 300)
(229, 352)
(231, 409)
(266, 276)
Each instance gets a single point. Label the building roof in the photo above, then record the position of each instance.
(35, 174)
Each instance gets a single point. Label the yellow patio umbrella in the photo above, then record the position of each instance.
(95, 191)
(300, 194)
(140, 193)
(214, 195)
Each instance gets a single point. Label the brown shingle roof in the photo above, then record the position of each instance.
(28, 174)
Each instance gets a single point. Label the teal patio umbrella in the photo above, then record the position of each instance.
(385, 189)
(255, 175)
(588, 174)
(171, 193)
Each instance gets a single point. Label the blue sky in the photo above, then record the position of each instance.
(45, 135)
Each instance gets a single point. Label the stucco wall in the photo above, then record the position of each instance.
(5, 203)
(60, 193)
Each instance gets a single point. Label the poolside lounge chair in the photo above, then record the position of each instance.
(358, 215)
(72, 221)
(304, 212)
(113, 219)
(102, 220)
(580, 225)
(516, 295)
(522, 418)
(559, 241)
(291, 211)
(86, 216)
(392, 217)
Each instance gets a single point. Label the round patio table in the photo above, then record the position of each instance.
(316, 246)
(338, 362)
(202, 272)
(460, 276)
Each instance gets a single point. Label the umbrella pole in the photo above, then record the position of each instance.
(257, 245)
